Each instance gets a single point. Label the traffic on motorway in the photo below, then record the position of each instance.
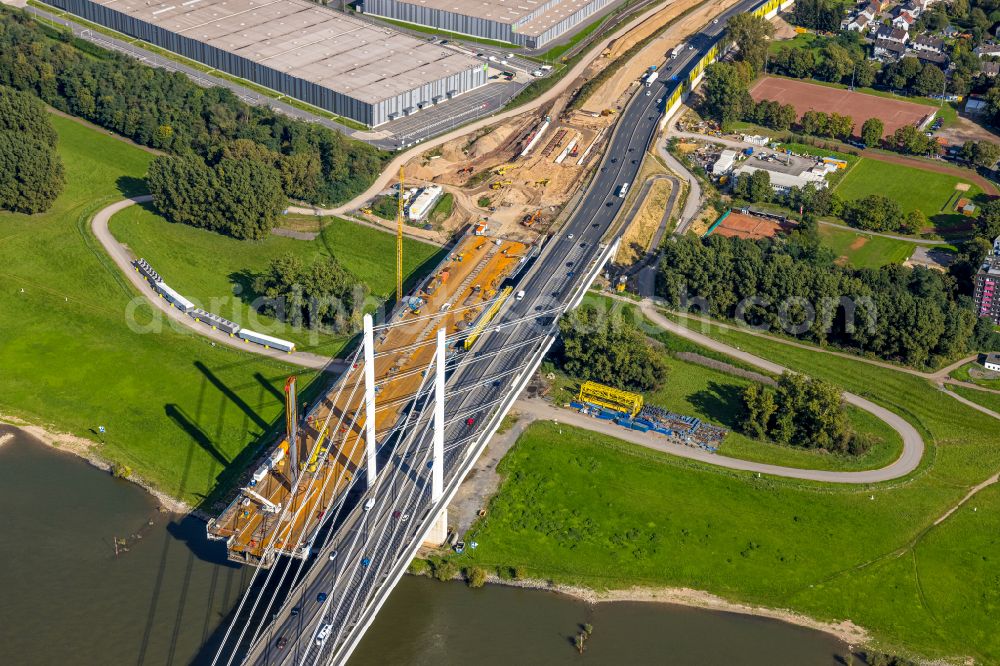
(361, 556)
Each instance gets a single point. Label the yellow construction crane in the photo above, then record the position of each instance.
(399, 240)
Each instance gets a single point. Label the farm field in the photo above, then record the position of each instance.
(591, 510)
(71, 362)
(218, 271)
(932, 193)
(864, 250)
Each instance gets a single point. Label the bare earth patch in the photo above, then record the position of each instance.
(858, 243)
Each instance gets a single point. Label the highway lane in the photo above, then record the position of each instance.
(359, 566)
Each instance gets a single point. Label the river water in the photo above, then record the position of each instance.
(68, 598)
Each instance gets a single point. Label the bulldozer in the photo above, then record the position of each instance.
(501, 183)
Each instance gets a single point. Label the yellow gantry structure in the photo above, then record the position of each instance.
(486, 318)
(612, 398)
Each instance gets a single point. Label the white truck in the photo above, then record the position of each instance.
(677, 50)
(651, 77)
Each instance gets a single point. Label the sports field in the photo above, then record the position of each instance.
(739, 225)
(864, 250)
(812, 97)
(932, 193)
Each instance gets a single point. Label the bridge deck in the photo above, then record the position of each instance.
(471, 275)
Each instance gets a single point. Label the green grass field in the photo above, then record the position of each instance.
(962, 374)
(863, 250)
(984, 398)
(587, 509)
(209, 268)
(932, 193)
(183, 414)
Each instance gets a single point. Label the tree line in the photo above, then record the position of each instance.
(914, 315)
(803, 412)
(167, 111)
(31, 171)
(608, 349)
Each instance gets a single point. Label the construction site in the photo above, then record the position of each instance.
(510, 182)
(322, 451)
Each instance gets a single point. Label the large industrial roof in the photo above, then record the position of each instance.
(510, 11)
(298, 38)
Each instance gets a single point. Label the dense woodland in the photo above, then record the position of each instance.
(321, 296)
(914, 315)
(31, 171)
(167, 111)
(803, 412)
(611, 349)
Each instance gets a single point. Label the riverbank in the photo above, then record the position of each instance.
(846, 631)
(86, 449)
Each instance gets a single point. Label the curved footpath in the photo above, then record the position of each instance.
(913, 444)
(123, 259)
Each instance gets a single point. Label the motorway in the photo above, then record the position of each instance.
(368, 550)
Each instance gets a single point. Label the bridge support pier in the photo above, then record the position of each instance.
(438, 533)
(369, 370)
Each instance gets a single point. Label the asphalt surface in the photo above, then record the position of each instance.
(369, 545)
(123, 259)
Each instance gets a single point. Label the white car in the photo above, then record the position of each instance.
(493, 58)
(369, 504)
(569, 236)
(323, 634)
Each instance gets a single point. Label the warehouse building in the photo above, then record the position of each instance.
(336, 62)
(528, 23)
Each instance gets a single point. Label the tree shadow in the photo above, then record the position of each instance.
(130, 186)
(242, 282)
(720, 402)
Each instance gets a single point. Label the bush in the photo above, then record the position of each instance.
(419, 567)
(476, 577)
(121, 471)
(445, 570)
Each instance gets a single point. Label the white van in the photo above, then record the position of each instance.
(369, 504)
(623, 190)
(520, 295)
(323, 634)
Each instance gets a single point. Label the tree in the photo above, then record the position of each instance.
(321, 296)
(759, 407)
(930, 81)
(609, 349)
(801, 63)
(837, 63)
(866, 73)
(841, 126)
(914, 222)
(816, 123)
(874, 213)
(800, 411)
(248, 197)
(986, 154)
(31, 174)
(908, 139)
(727, 92)
(750, 34)
(872, 131)
(31, 171)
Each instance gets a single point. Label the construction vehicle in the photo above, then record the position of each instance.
(543, 182)
(530, 220)
(501, 170)
(501, 183)
(608, 112)
(366, 211)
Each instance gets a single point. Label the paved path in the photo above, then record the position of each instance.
(123, 260)
(975, 405)
(913, 444)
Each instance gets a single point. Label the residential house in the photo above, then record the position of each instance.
(857, 24)
(939, 59)
(992, 362)
(928, 43)
(888, 50)
(891, 34)
(904, 21)
(988, 50)
(990, 69)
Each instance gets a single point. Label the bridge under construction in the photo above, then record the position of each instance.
(273, 514)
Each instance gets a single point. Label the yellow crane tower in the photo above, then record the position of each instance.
(399, 240)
